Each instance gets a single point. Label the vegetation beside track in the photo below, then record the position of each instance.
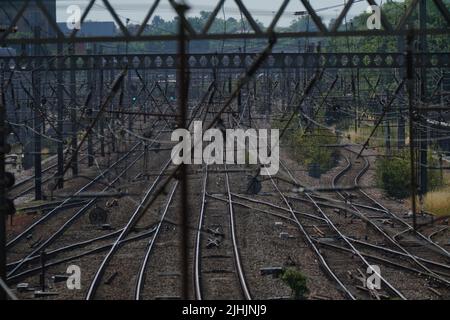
(393, 175)
(311, 146)
(297, 282)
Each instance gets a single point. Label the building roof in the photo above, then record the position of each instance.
(92, 28)
(7, 52)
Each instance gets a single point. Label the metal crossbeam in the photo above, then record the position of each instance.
(226, 61)
(388, 29)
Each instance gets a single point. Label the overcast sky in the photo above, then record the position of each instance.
(263, 10)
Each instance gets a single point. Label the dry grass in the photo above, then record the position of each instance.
(363, 133)
(378, 139)
(438, 202)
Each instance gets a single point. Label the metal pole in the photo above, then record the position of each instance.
(128, 88)
(91, 86)
(388, 136)
(400, 120)
(423, 97)
(411, 95)
(60, 99)
(183, 96)
(2, 190)
(73, 111)
(113, 122)
(102, 120)
(37, 123)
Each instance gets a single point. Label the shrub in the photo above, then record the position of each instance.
(297, 282)
(394, 175)
(310, 148)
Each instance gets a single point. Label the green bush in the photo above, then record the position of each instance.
(310, 148)
(297, 282)
(394, 175)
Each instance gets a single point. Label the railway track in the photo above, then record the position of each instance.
(139, 279)
(72, 216)
(279, 201)
(328, 223)
(169, 290)
(26, 185)
(421, 252)
(65, 237)
(141, 215)
(351, 224)
(335, 240)
(367, 202)
(106, 180)
(218, 271)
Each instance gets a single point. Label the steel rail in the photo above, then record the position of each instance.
(391, 214)
(51, 177)
(30, 178)
(83, 242)
(380, 230)
(141, 275)
(149, 198)
(197, 281)
(51, 253)
(334, 206)
(309, 239)
(84, 188)
(130, 224)
(376, 258)
(41, 220)
(312, 245)
(237, 259)
(306, 215)
(437, 232)
(333, 227)
(50, 206)
(73, 218)
(392, 251)
(355, 204)
(99, 249)
(241, 204)
(140, 281)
